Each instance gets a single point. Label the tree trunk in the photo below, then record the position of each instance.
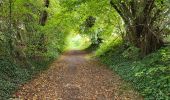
(149, 43)
(140, 29)
(143, 38)
(43, 18)
(44, 15)
(10, 33)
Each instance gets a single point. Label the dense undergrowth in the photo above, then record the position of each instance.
(28, 42)
(12, 76)
(149, 75)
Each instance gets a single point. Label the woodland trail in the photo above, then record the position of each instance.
(74, 76)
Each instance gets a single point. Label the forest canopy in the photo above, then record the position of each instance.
(42, 24)
(35, 32)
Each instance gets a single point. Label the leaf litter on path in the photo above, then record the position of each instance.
(76, 77)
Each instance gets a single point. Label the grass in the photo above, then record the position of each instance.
(150, 75)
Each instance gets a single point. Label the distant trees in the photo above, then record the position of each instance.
(144, 20)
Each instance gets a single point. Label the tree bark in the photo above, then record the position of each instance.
(140, 30)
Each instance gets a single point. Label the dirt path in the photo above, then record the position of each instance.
(74, 77)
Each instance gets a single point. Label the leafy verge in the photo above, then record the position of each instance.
(150, 75)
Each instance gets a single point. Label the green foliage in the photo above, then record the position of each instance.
(13, 75)
(96, 20)
(33, 46)
(108, 45)
(150, 75)
(131, 53)
(144, 22)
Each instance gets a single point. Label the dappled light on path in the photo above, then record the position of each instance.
(74, 77)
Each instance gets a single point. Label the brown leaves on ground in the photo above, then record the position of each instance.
(74, 77)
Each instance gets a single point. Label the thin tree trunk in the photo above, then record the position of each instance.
(44, 15)
(10, 34)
